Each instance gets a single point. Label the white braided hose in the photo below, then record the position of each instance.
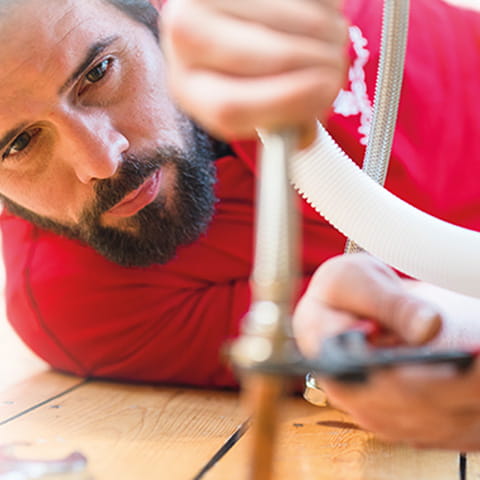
(404, 237)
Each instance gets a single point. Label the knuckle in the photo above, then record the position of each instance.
(324, 23)
(401, 310)
(334, 268)
(180, 30)
(338, 267)
(316, 23)
(176, 33)
(225, 119)
(335, 271)
(394, 307)
(222, 115)
(342, 26)
(292, 56)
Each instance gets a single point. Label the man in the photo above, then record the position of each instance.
(95, 154)
(425, 406)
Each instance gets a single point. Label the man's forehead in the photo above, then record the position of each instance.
(43, 42)
(35, 30)
(42, 39)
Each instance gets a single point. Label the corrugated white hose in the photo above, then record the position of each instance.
(404, 237)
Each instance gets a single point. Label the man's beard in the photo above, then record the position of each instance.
(154, 233)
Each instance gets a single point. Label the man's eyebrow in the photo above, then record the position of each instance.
(96, 49)
(11, 135)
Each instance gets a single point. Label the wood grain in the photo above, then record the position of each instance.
(473, 466)
(33, 391)
(316, 443)
(130, 431)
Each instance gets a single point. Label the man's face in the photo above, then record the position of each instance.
(90, 143)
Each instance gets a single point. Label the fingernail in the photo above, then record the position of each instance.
(425, 325)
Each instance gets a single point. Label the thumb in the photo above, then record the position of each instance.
(364, 286)
(414, 320)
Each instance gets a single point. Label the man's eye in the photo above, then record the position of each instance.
(19, 144)
(98, 72)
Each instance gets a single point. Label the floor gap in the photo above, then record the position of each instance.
(226, 447)
(463, 466)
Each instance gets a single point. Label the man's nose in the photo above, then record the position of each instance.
(91, 145)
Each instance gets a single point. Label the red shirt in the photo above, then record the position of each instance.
(168, 323)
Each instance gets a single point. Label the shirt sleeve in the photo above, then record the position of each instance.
(90, 317)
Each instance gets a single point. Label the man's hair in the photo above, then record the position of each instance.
(141, 11)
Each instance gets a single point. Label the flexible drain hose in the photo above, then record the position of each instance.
(406, 238)
(409, 240)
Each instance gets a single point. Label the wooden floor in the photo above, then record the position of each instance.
(130, 432)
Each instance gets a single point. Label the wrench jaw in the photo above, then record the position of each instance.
(344, 358)
(350, 358)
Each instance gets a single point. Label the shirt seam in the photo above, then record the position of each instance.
(35, 308)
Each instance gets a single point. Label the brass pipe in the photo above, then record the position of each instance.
(266, 344)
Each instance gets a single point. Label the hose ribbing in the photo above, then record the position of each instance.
(406, 238)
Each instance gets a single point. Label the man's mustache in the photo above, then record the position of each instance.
(132, 173)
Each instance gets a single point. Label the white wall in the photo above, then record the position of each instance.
(475, 4)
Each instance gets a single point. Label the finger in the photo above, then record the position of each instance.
(313, 322)
(393, 408)
(382, 407)
(312, 18)
(428, 428)
(236, 107)
(366, 287)
(221, 45)
(442, 386)
(421, 387)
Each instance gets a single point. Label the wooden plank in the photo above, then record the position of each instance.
(34, 391)
(472, 466)
(130, 431)
(317, 443)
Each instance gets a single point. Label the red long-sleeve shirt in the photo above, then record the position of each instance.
(167, 323)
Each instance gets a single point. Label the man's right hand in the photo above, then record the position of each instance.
(235, 66)
(349, 288)
(427, 406)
